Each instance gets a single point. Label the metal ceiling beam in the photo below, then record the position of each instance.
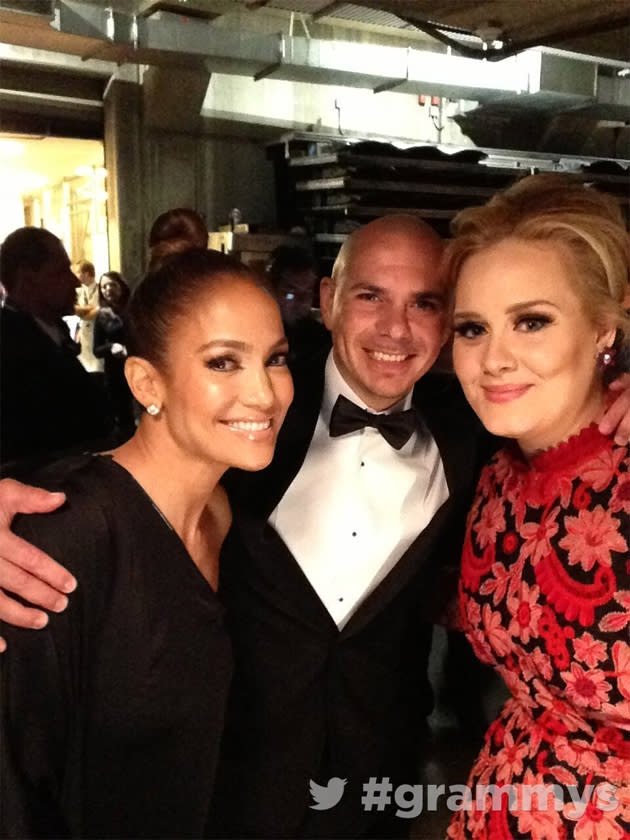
(29, 79)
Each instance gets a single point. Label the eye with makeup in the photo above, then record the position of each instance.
(532, 322)
(223, 364)
(279, 359)
(468, 329)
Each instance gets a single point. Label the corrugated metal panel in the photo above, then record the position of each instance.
(374, 17)
(346, 12)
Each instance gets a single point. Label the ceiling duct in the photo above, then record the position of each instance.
(189, 10)
(534, 79)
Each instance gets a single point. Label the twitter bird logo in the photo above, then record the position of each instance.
(326, 796)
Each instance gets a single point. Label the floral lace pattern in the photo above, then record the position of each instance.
(545, 600)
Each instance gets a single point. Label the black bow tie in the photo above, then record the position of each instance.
(396, 428)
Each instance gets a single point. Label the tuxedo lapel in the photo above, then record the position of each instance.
(273, 576)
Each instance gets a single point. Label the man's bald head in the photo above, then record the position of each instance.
(400, 230)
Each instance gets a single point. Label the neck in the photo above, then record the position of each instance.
(590, 412)
(180, 485)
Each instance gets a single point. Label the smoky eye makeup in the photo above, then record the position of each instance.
(468, 329)
(223, 363)
(533, 321)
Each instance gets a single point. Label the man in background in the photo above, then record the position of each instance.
(293, 277)
(49, 402)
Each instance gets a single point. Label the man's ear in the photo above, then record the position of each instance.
(326, 300)
(145, 381)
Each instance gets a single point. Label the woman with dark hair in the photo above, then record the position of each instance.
(174, 232)
(110, 345)
(539, 277)
(111, 716)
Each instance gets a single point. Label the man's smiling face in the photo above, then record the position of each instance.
(385, 309)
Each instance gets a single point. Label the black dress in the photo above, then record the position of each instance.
(109, 329)
(112, 715)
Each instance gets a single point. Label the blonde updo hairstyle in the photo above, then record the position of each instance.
(554, 208)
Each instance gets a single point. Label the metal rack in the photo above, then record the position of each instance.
(331, 185)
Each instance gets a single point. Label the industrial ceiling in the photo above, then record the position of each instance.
(570, 98)
(494, 27)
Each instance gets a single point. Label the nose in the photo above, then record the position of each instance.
(259, 391)
(395, 321)
(498, 356)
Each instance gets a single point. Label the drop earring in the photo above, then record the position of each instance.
(605, 358)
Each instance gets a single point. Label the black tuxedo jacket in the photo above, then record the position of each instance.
(310, 701)
(49, 402)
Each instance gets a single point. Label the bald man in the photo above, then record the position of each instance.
(331, 608)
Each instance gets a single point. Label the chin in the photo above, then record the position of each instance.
(502, 426)
(255, 464)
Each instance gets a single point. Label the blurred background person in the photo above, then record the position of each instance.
(49, 401)
(110, 345)
(86, 308)
(293, 278)
(174, 232)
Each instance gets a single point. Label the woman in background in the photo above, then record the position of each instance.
(111, 716)
(110, 339)
(539, 276)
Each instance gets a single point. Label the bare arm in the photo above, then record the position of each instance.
(25, 570)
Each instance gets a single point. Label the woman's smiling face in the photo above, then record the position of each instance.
(525, 349)
(226, 384)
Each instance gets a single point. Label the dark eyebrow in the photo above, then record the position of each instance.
(522, 306)
(527, 304)
(228, 343)
(373, 287)
(430, 296)
(243, 346)
(366, 287)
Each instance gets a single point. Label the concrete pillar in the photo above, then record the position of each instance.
(124, 159)
(159, 155)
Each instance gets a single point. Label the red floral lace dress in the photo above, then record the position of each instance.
(545, 599)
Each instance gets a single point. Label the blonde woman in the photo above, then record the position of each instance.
(539, 276)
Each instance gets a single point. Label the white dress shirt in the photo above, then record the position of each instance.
(88, 296)
(357, 504)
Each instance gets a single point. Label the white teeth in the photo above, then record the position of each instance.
(250, 426)
(388, 357)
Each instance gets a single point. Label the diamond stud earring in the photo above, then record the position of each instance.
(153, 410)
